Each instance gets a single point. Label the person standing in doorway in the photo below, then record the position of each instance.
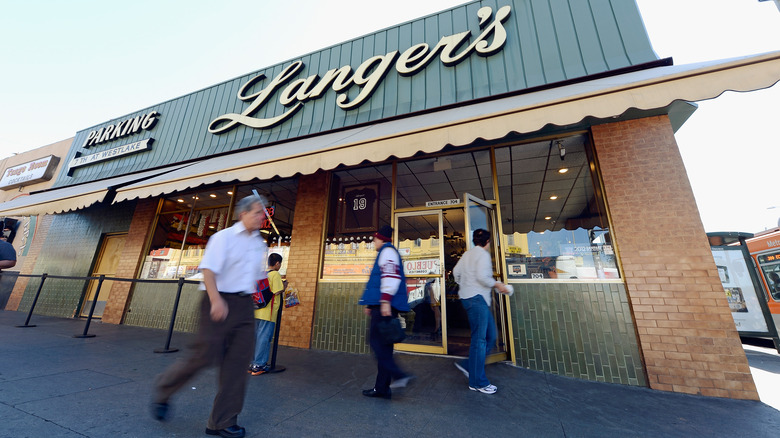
(474, 275)
(385, 295)
(265, 318)
(232, 265)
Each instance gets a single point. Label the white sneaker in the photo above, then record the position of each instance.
(462, 370)
(490, 389)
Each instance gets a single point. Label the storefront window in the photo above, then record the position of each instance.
(444, 178)
(277, 228)
(184, 225)
(187, 221)
(360, 203)
(553, 220)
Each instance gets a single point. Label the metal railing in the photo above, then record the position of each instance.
(100, 279)
(180, 282)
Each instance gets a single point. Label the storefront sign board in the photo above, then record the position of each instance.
(109, 154)
(28, 173)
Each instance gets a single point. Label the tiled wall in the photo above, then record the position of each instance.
(69, 249)
(577, 330)
(151, 305)
(41, 231)
(686, 332)
(339, 322)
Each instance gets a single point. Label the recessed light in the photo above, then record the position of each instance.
(553, 197)
(547, 218)
(180, 200)
(563, 170)
(213, 195)
(230, 193)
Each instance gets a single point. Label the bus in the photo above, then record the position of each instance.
(764, 248)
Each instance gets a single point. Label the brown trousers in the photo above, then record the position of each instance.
(228, 344)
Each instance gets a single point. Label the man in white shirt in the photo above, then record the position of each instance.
(474, 275)
(232, 264)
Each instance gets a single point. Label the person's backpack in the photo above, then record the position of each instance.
(263, 294)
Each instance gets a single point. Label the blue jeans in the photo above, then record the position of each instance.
(483, 338)
(264, 332)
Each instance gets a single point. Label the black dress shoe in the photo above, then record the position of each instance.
(234, 431)
(160, 411)
(373, 393)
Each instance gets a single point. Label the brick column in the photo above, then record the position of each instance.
(131, 257)
(686, 332)
(39, 237)
(305, 253)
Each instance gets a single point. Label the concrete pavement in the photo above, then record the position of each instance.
(55, 385)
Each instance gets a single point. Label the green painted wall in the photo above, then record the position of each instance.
(548, 41)
(70, 250)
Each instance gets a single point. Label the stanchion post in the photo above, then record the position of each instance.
(167, 348)
(278, 325)
(92, 309)
(35, 300)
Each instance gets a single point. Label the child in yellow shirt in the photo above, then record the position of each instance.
(265, 318)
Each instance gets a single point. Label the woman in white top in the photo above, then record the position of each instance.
(474, 275)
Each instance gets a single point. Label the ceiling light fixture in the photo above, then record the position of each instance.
(563, 170)
(553, 197)
(213, 195)
(561, 148)
(180, 200)
(547, 218)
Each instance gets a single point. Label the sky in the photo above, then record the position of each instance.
(69, 65)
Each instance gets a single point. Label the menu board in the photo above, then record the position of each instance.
(740, 291)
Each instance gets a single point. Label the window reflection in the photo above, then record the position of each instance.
(362, 204)
(188, 219)
(552, 215)
(444, 178)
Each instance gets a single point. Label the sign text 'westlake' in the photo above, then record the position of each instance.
(118, 151)
(367, 76)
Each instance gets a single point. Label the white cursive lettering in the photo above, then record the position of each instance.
(368, 76)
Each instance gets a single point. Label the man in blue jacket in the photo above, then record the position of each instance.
(384, 297)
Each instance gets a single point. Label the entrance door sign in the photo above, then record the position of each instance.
(443, 203)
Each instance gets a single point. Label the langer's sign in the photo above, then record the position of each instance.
(367, 76)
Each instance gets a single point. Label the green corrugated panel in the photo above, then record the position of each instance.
(548, 41)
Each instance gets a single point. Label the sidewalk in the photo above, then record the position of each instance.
(55, 385)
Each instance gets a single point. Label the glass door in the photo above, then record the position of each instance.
(418, 235)
(480, 214)
(430, 243)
